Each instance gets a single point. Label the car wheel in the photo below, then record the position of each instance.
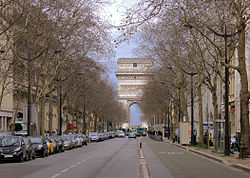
(21, 158)
(44, 153)
(28, 157)
(34, 156)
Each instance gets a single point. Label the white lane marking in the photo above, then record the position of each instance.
(72, 166)
(65, 170)
(162, 152)
(56, 175)
(175, 153)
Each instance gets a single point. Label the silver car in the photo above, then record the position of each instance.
(132, 135)
(94, 136)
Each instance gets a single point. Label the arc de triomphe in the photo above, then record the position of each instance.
(132, 74)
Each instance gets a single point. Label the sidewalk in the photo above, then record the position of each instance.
(232, 160)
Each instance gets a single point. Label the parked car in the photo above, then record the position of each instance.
(60, 143)
(30, 150)
(120, 133)
(132, 135)
(50, 145)
(235, 146)
(84, 139)
(40, 145)
(101, 136)
(74, 144)
(12, 148)
(78, 140)
(55, 145)
(94, 136)
(67, 142)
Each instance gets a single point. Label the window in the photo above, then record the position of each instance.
(134, 64)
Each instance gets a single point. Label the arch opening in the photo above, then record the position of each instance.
(135, 114)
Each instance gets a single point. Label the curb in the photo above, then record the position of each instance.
(221, 160)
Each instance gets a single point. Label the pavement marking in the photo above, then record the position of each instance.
(162, 152)
(65, 170)
(72, 166)
(175, 153)
(56, 175)
(143, 168)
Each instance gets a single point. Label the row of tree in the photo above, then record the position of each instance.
(189, 36)
(51, 48)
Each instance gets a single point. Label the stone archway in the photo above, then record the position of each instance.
(132, 75)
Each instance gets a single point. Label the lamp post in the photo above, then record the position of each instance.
(29, 59)
(60, 111)
(168, 122)
(192, 106)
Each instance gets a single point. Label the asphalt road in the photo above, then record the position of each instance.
(166, 160)
(120, 158)
(115, 158)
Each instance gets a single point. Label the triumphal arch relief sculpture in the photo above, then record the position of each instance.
(132, 75)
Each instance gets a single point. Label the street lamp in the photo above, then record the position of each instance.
(192, 106)
(60, 98)
(29, 59)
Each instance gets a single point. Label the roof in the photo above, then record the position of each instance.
(134, 60)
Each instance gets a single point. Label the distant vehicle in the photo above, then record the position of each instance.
(21, 128)
(120, 133)
(40, 145)
(50, 145)
(132, 135)
(67, 142)
(31, 154)
(84, 138)
(94, 136)
(12, 148)
(60, 143)
(141, 131)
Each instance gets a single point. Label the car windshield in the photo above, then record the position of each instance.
(36, 140)
(26, 140)
(93, 134)
(65, 139)
(9, 141)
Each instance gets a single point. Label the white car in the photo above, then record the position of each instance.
(120, 133)
(132, 135)
(94, 136)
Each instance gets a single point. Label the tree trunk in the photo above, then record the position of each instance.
(58, 107)
(42, 110)
(200, 110)
(77, 118)
(84, 120)
(216, 115)
(95, 122)
(244, 93)
(67, 123)
(73, 119)
(19, 93)
(50, 111)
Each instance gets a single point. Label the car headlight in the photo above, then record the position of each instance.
(17, 149)
(40, 146)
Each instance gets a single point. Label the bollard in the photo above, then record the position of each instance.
(140, 145)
